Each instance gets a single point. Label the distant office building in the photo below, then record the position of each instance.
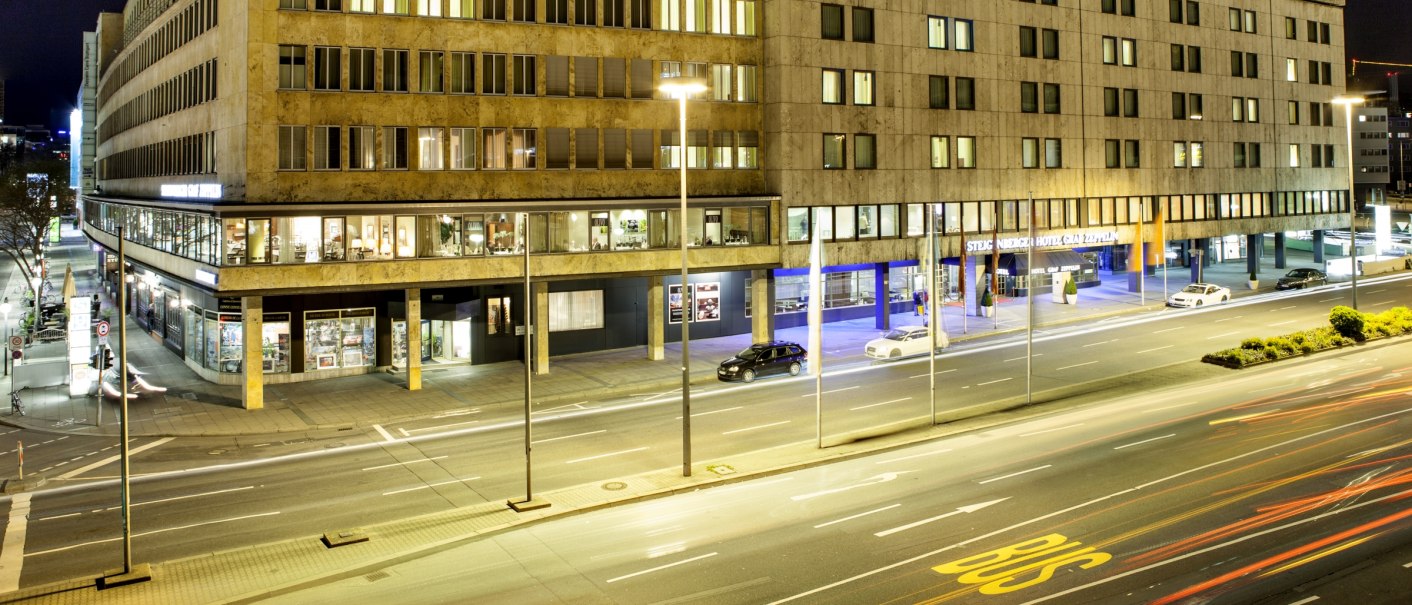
(313, 189)
(1370, 154)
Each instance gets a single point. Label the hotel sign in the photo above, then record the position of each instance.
(192, 190)
(1063, 239)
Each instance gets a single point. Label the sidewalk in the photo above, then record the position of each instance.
(194, 407)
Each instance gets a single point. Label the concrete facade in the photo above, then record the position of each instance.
(1090, 127)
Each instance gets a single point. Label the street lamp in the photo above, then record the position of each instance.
(681, 88)
(1348, 103)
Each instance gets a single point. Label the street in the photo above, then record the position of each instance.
(196, 495)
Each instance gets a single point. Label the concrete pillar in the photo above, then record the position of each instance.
(1198, 259)
(414, 338)
(882, 302)
(1319, 246)
(762, 305)
(252, 312)
(1135, 266)
(656, 323)
(1279, 250)
(1254, 243)
(976, 284)
(541, 327)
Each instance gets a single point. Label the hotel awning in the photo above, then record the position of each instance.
(1045, 261)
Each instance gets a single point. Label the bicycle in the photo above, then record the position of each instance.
(16, 407)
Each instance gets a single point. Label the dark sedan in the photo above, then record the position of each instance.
(762, 359)
(1301, 278)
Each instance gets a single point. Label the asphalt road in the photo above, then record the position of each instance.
(197, 495)
(1238, 493)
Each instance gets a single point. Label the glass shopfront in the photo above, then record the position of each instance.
(322, 239)
(338, 339)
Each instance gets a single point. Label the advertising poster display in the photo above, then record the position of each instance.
(708, 301)
(674, 304)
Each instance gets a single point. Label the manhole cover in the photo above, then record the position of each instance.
(721, 469)
(614, 486)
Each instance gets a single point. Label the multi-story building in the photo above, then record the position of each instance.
(1370, 155)
(353, 184)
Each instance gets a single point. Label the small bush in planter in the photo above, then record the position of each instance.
(1070, 288)
(1254, 277)
(1347, 321)
(986, 299)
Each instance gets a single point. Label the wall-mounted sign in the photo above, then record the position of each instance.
(705, 301)
(192, 190)
(206, 277)
(1064, 239)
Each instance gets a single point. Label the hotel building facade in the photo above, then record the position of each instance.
(319, 188)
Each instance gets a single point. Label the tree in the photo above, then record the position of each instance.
(32, 190)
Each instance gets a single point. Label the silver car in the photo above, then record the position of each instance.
(1196, 295)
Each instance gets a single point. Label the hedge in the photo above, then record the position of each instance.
(1346, 327)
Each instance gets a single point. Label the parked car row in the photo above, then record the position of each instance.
(782, 357)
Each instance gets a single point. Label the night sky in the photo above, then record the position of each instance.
(41, 48)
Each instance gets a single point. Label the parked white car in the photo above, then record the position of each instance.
(903, 342)
(1196, 295)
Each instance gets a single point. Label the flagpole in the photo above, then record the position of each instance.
(934, 325)
(1029, 310)
(816, 333)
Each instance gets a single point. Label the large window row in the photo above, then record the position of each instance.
(433, 148)
(341, 238)
(724, 17)
(183, 27)
(874, 221)
(192, 154)
(194, 87)
(336, 68)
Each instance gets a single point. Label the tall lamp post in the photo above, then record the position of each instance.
(1348, 103)
(682, 87)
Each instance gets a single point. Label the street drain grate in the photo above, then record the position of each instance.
(189, 396)
(377, 575)
(165, 411)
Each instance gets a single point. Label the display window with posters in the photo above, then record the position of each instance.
(338, 339)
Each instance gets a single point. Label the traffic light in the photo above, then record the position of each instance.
(102, 360)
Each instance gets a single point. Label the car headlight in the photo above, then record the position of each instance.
(733, 369)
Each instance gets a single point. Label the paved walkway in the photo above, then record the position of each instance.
(192, 406)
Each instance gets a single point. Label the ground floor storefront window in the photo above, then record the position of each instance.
(338, 339)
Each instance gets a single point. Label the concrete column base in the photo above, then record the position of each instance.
(252, 312)
(762, 305)
(656, 308)
(414, 338)
(140, 572)
(521, 506)
(541, 327)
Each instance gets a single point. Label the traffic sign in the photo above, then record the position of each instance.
(102, 340)
(102, 329)
(17, 343)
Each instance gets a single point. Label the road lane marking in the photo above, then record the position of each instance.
(443, 426)
(1037, 468)
(1144, 441)
(578, 460)
(219, 491)
(1381, 302)
(1050, 430)
(373, 468)
(873, 405)
(1227, 319)
(60, 516)
(1094, 344)
(1283, 308)
(921, 455)
(874, 480)
(1241, 418)
(751, 428)
(456, 413)
(569, 436)
(1308, 600)
(404, 432)
(981, 384)
(1283, 323)
(1222, 335)
(964, 509)
(1170, 407)
(1156, 349)
(661, 567)
(941, 372)
(1015, 359)
(852, 517)
(429, 486)
(111, 459)
(1167, 330)
(838, 390)
(1330, 299)
(1106, 498)
(148, 533)
(1408, 565)
(1077, 365)
(12, 556)
(1375, 291)
(714, 412)
(382, 431)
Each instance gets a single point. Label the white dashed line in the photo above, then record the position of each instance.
(660, 568)
(1156, 349)
(1050, 430)
(1037, 468)
(1076, 365)
(852, 517)
(752, 428)
(981, 384)
(578, 460)
(873, 405)
(1144, 441)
